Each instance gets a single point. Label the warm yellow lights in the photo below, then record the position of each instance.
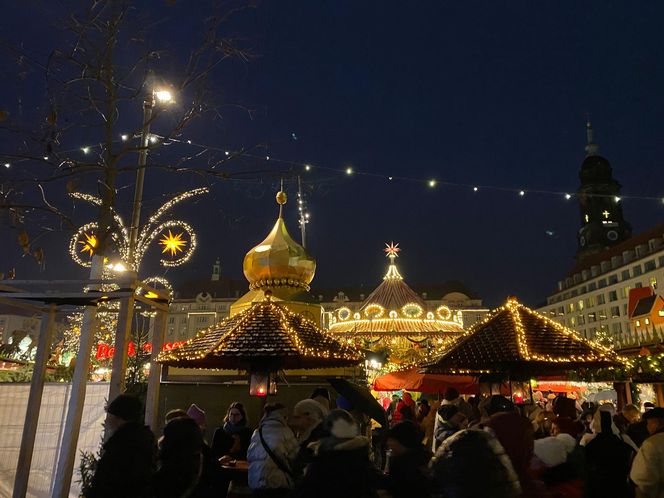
(89, 243)
(349, 170)
(173, 244)
(163, 96)
(374, 310)
(432, 183)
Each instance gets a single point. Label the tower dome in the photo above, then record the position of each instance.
(279, 261)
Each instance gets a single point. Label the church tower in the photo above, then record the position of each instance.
(602, 222)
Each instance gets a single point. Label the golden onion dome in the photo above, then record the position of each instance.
(279, 260)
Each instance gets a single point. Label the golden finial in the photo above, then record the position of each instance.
(281, 197)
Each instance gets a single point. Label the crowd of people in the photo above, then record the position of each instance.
(452, 448)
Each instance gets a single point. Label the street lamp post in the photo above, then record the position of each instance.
(125, 315)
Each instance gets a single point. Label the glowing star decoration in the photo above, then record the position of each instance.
(89, 243)
(180, 247)
(392, 250)
(173, 244)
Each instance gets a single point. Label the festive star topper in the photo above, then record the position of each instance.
(392, 250)
(173, 244)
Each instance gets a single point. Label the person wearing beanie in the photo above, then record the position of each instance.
(128, 457)
(452, 420)
(648, 467)
(407, 473)
(198, 415)
(307, 423)
(210, 468)
(341, 464)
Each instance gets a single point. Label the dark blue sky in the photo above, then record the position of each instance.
(486, 93)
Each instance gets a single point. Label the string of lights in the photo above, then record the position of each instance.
(300, 168)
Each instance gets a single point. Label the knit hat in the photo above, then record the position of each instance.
(197, 414)
(407, 434)
(126, 407)
(311, 408)
(448, 411)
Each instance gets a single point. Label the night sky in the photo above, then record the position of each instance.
(473, 93)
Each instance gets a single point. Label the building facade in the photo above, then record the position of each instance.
(595, 294)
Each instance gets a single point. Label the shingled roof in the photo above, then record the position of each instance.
(518, 341)
(265, 335)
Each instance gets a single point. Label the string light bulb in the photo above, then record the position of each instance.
(85, 149)
(568, 196)
(432, 183)
(522, 193)
(349, 170)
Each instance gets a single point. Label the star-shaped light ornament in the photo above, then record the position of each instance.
(392, 250)
(89, 244)
(173, 244)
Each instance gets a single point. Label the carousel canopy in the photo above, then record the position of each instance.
(517, 341)
(265, 337)
(393, 309)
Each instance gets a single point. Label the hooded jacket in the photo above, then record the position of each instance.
(264, 473)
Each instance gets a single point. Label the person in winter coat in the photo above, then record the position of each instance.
(648, 467)
(307, 422)
(407, 472)
(515, 434)
(180, 462)
(451, 421)
(232, 439)
(473, 464)
(271, 454)
(341, 465)
(608, 459)
(405, 406)
(128, 457)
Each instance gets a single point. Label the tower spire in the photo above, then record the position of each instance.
(591, 146)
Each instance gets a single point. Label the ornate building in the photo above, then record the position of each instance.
(396, 321)
(602, 222)
(594, 296)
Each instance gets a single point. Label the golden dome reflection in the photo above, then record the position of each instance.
(279, 260)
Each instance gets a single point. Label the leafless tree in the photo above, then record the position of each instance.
(110, 64)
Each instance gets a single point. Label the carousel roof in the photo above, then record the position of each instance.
(394, 309)
(265, 336)
(397, 326)
(515, 340)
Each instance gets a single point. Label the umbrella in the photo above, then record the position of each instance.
(361, 399)
(412, 380)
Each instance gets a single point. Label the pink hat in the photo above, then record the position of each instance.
(197, 414)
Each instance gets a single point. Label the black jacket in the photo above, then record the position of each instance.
(127, 463)
(340, 468)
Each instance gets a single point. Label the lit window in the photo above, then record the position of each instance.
(647, 321)
(638, 323)
(660, 312)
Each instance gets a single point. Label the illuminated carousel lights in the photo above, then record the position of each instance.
(443, 312)
(412, 310)
(374, 311)
(344, 313)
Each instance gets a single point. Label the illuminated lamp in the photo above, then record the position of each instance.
(261, 384)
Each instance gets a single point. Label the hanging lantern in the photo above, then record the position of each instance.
(261, 384)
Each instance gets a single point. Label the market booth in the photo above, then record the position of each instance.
(516, 344)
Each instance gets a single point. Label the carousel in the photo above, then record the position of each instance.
(395, 323)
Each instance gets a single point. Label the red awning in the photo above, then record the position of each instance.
(412, 380)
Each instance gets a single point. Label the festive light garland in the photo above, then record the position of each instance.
(151, 230)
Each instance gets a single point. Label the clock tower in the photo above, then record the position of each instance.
(602, 222)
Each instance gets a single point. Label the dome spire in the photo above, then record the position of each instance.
(591, 146)
(279, 261)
